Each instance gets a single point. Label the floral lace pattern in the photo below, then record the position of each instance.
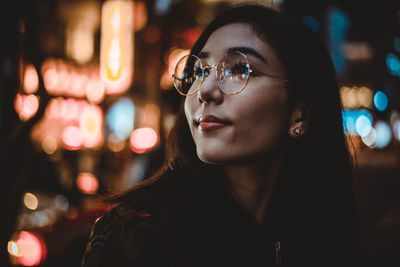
(126, 237)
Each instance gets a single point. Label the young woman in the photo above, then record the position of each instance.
(257, 171)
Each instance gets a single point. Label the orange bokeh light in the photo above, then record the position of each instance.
(31, 79)
(95, 91)
(143, 139)
(139, 15)
(50, 75)
(87, 183)
(116, 46)
(26, 106)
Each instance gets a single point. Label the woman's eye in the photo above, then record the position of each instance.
(240, 69)
(198, 73)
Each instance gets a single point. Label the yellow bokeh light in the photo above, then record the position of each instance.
(31, 201)
(49, 145)
(116, 48)
(356, 97)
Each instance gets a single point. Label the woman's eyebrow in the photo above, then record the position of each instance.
(247, 50)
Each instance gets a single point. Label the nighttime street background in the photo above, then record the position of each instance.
(87, 102)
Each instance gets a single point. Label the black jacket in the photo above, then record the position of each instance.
(178, 226)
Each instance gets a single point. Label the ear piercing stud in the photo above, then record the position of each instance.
(297, 131)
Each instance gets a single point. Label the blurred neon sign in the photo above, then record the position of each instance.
(116, 48)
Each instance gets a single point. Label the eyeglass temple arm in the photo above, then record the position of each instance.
(269, 75)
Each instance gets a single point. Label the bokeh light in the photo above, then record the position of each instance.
(91, 121)
(151, 115)
(396, 129)
(30, 80)
(120, 117)
(95, 91)
(171, 57)
(363, 125)
(31, 201)
(61, 203)
(26, 106)
(370, 138)
(50, 75)
(381, 101)
(72, 137)
(117, 46)
(28, 250)
(350, 118)
(152, 34)
(162, 6)
(140, 15)
(87, 183)
(311, 22)
(49, 144)
(356, 97)
(337, 24)
(383, 134)
(143, 139)
(69, 109)
(53, 108)
(393, 64)
(78, 84)
(80, 40)
(115, 142)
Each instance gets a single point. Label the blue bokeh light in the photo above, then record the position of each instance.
(363, 125)
(162, 6)
(311, 22)
(383, 134)
(338, 25)
(350, 118)
(381, 101)
(121, 117)
(393, 64)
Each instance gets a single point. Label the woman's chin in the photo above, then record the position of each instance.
(211, 158)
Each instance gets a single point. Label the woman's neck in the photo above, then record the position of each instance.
(251, 184)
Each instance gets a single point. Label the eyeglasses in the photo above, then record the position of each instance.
(232, 73)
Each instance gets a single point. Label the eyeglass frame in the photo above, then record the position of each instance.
(216, 74)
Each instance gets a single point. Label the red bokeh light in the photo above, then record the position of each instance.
(87, 183)
(32, 250)
(143, 139)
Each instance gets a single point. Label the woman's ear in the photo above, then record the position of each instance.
(299, 120)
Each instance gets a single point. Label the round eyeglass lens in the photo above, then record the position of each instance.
(188, 75)
(233, 73)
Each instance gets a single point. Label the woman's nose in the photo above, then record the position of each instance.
(209, 90)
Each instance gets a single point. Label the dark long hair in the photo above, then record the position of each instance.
(315, 187)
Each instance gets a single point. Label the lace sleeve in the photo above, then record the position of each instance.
(125, 237)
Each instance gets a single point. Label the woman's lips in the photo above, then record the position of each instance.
(210, 122)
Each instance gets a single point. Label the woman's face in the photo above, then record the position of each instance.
(248, 125)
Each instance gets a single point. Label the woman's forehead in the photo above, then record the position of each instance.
(233, 34)
(239, 37)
